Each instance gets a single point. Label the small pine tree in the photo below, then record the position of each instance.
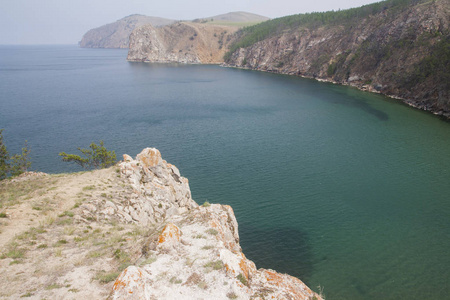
(97, 157)
(4, 166)
(20, 162)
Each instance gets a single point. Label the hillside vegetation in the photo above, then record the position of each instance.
(396, 47)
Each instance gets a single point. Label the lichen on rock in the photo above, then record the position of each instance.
(197, 253)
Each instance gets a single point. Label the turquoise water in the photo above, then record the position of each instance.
(344, 189)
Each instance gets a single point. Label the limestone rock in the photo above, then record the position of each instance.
(182, 42)
(170, 236)
(206, 263)
(132, 284)
(158, 189)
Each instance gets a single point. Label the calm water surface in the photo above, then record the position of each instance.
(344, 189)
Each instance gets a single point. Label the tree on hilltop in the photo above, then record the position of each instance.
(96, 157)
(4, 166)
(19, 164)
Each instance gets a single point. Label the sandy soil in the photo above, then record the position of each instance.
(49, 249)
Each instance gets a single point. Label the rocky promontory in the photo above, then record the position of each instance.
(399, 48)
(184, 42)
(132, 231)
(116, 34)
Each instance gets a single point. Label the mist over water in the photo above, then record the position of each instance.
(341, 188)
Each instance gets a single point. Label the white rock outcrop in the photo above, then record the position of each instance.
(197, 253)
(158, 192)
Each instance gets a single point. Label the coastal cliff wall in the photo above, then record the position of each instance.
(400, 50)
(183, 42)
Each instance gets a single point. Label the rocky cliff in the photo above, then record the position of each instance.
(399, 48)
(197, 253)
(184, 42)
(116, 35)
(132, 231)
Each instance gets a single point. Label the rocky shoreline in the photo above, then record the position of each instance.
(445, 115)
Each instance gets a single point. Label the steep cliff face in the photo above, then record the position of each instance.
(183, 42)
(116, 35)
(132, 231)
(197, 253)
(399, 50)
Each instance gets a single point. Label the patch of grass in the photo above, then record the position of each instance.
(212, 231)
(3, 215)
(199, 236)
(232, 295)
(74, 290)
(53, 286)
(49, 221)
(14, 251)
(105, 277)
(69, 230)
(58, 253)
(242, 279)
(202, 284)
(215, 265)
(42, 246)
(78, 239)
(15, 262)
(208, 247)
(121, 255)
(64, 221)
(31, 234)
(12, 193)
(148, 261)
(94, 254)
(29, 294)
(175, 280)
(189, 262)
(206, 204)
(89, 188)
(60, 243)
(66, 213)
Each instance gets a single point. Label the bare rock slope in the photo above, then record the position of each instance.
(183, 42)
(128, 232)
(116, 34)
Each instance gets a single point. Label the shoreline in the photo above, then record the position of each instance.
(445, 116)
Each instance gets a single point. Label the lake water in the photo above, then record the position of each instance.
(344, 189)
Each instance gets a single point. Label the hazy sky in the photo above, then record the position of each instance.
(65, 21)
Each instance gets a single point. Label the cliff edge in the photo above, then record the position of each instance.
(132, 231)
(183, 42)
(399, 48)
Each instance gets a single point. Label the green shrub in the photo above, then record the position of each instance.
(97, 157)
(4, 166)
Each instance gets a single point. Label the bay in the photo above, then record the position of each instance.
(341, 188)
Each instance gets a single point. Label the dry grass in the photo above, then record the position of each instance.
(13, 193)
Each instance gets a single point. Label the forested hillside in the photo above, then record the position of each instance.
(397, 47)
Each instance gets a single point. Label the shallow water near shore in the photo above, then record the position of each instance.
(341, 188)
